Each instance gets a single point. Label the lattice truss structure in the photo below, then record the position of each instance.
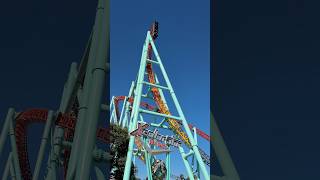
(147, 101)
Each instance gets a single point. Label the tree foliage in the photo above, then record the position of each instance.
(119, 140)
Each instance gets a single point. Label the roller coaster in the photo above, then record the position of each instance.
(78, 148)
(133, 108)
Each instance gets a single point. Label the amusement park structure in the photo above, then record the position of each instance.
(144, 91)
(76, 142)
(77, 135)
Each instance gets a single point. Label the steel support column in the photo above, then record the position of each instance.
(5, 128)
(98, 56)
(7, 167)
(186, 163)
(168, 165)
(16, 163)
(136, 104)
(43, 145)
(59, 131)
(223, 155)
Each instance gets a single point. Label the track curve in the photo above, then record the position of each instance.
(25, 118)
(22, 121)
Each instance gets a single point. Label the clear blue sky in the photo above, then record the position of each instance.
(183, 44)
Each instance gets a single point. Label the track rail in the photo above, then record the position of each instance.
(25, 118)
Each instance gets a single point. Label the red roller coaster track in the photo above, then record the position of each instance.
(24, 119)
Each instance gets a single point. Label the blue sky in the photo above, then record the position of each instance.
(183, 44)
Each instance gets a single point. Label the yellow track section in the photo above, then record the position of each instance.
(173, 124)
(138, 142)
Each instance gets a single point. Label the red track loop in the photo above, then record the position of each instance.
(22, 121)
(40, 116)
(121, 98)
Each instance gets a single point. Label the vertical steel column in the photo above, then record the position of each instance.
(122, 110)
(180, 112)
(80, 126)
(14, 151)
(186, 163)
(99, 56)
(77, 93)
(127, 111)
(59, 131)
(148, 160)
(47, 176)
(127, 115)
(196, 141)
(222, 153)
(168, 165)
(136, 105)
(12, 173)
(43, 145)
(7, 167)
(114, 115)
(5, 129)
(112, 110)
